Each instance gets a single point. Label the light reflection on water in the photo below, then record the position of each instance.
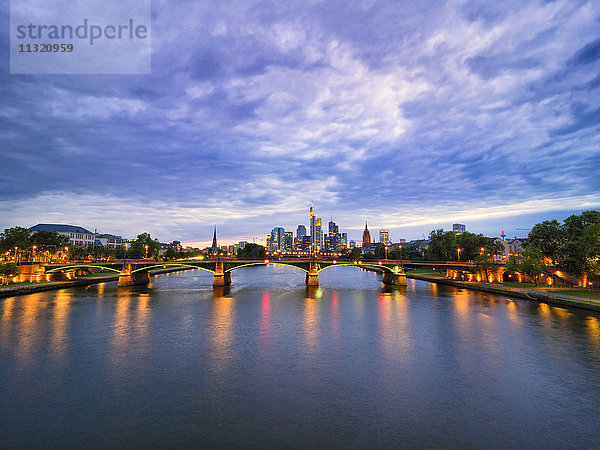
(270, 362)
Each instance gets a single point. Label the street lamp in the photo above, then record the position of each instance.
(34, 249)
(67, 252)
(146, 247)
(459, 250)
(16, 248)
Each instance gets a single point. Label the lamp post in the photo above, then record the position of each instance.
(16, 248)
(459, 250)
(67, 252)
(146, 247)
(34, 249)
(385, 246)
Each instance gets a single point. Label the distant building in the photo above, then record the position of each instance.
(510, 247)
(333, 241)
(306, 244)
(277, 239)
(316, 232)
(366, 236)
(384, 237)
(298, 240)
(288, 241)
(242, 244)
(352, 244)
(300, 231)
(109, 241)
(344, 243)
(458, 228)
(370, 247)
(78, 236)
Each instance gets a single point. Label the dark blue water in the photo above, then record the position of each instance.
(272, 364)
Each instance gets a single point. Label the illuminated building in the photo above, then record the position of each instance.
(288, 241)
(78, 236)
(384, 237)
(333, 239)
(300, 234)
(316, 233)
(277, 241)
(366, 236)
(458, 228)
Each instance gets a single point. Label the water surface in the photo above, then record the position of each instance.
(270, 363)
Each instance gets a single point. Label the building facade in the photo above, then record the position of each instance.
(78, 236)
(384, 237)
(366, 236)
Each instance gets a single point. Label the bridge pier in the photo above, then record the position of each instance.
(127, 278)
(222, 279)
(394, 279)
(312, 278)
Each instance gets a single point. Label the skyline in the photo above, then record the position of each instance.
(408, 116)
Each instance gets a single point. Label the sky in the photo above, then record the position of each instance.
(407, 115)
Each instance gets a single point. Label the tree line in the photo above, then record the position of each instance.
(20, 243)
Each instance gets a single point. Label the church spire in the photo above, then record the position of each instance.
(366, 236)
(214, 244)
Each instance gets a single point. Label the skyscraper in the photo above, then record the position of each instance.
(288, 241)
(366, 235)
(300, 231)
(384, 237)
(277, 239)
(312, 224)
(458, 228)
(298, 240)
(333, 239)
(316, 233)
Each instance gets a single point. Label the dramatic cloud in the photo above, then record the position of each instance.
(411, 115)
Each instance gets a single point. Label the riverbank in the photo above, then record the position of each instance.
(545, 296)
(25, 289)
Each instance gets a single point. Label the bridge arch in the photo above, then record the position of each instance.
(80, 266)
(394, 269)
(164, 265)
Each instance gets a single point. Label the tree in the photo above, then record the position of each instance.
(15, 237)
(532, 263)
(138, 247)
(355, 253)
(512, 264)
(548, 236)
(581, 250)
(50, 241)
(9, 270)
(442, 246)
(252, 251)
(486, 263)
(470, 245)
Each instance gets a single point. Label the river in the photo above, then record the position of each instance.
(269, 363)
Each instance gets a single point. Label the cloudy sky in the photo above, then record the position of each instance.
(411, 115)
